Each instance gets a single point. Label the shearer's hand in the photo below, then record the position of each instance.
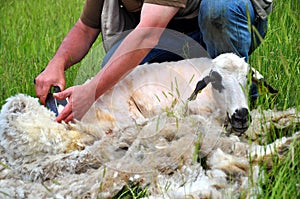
(53, 75)
(80, 99)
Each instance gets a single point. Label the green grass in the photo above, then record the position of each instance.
(31, 31)
(278, 59)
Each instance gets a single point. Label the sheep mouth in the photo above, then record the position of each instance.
(240, 130)
(239, 123)
(239, 127)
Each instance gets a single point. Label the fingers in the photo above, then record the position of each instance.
(49, 77)
(61, 86)
(70, 118)
(63, 95)
(66, 115)
(42, 92)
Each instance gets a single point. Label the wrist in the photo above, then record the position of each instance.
(96, 87)
(59, 63)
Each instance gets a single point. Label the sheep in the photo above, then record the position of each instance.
(147, 128)
(145, 92)
(155, 88)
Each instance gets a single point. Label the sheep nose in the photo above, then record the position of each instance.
(240, 120)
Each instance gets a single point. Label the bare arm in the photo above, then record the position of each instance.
(72, 49)
(154, 19)
(76, 44)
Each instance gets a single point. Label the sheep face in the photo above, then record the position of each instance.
(228, 79)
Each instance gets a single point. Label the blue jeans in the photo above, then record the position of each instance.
(224, 26)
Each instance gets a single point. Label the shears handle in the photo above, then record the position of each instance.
(52, 103)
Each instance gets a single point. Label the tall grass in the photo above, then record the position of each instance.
(31, 31)
(278, 58)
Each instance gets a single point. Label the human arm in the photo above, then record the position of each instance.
(154, 19)
(73, 48)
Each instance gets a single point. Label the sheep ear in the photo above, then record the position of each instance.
(200, 85)
(216, 81)
(262, 84)
(258, 79)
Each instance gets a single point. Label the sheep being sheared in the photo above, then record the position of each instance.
(146, 92)
(143, 125)
(152, 89)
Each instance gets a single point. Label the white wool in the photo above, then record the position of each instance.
(166, 145)
(229, 163)
(28, 129)
(258, 152)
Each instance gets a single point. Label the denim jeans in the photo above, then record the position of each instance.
(224, 26)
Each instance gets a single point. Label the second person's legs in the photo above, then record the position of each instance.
(226, 26)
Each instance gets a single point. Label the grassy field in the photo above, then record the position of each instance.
(278, 59)
(31, 31)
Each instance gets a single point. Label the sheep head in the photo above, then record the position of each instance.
(228, 78)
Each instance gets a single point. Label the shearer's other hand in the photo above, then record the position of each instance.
(80, 99)
(51, 76)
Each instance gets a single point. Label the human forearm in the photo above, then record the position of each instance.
(75, 45)
(129, 54)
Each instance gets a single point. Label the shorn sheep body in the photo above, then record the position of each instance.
(144, 131)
